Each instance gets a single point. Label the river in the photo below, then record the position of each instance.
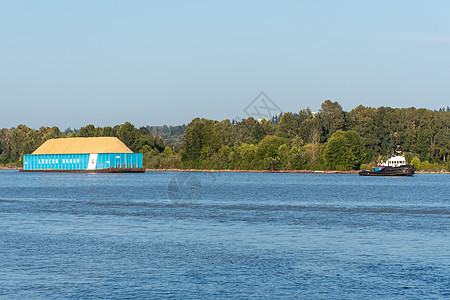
(223, 235)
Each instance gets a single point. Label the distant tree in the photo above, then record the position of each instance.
(144, 131)
(200, 140)
(288, 126)
(48, 133)
(108, 131)
(68, 131)
(284, 156)
(361, 120)
(129, 135)
(172, 135)
(344, 150)
(298, 158)
(268, 147)
(442, 136)
(168, 151)
(5, 144)
(24, 140)
(226, 132)
(332, 117)
(90, 131)
(267, 126)
(249, 131)
(305, 114)
(416, 162)
(255, 144)
(311, 132)
(225, 155)
(275, 119)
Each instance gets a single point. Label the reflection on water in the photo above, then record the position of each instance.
(192, 235)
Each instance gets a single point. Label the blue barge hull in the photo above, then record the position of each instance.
(96, 163)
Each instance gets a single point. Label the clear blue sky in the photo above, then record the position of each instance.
(73, 63)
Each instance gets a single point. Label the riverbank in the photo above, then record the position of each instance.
(277, 171)
(9, 168)
(430, 172)
(255, 171)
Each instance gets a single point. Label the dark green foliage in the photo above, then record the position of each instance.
(171, 135)
(201, 140)
(288, 126)
(332, 118)
(420, 131)
(129, 135)
(48, 133)
(268, 152)
(226, 133)
(108, 131)
(304, 114)
(305, 140)
(298, 158)
(23, 140)
(249, 131)
(268, 147)
(90, 131)
(311, 130)
(344, 151)
(245, 157)
(16, 142)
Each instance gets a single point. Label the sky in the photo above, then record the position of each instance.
(73, 63)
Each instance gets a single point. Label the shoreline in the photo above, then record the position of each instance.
(276, 171)
(254, 171)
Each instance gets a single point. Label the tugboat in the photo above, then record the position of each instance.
(394, 166)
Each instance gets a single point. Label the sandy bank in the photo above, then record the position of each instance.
(254, 171)
(9, 168)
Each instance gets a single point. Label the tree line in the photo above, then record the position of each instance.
(331, 138)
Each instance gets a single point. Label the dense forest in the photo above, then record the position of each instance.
(331, 138)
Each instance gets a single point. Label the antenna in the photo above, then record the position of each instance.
(394, 152)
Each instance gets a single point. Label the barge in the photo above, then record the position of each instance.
(84, 155)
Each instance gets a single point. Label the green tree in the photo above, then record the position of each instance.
(268, 147)
(5, 144)
(24, 140)
(344, 150)
(267, 151)
(249, 131)
(288, 126)
(246, 156)
(200, 139)
(285, 158)
(298, 157)
(332, 117)
(108, 131)
(268, 127)
(129, 135)
(48, 133)
(361, 120)
(90, 131)
(225, 155)
(416, 162)
(226, 132)
(305, 114)
(168, 151)
(311, 132)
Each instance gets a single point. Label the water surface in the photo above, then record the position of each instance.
(223, 235)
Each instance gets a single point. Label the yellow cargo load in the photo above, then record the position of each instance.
(83, 145)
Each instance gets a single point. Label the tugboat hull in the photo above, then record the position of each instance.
(407, 170)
